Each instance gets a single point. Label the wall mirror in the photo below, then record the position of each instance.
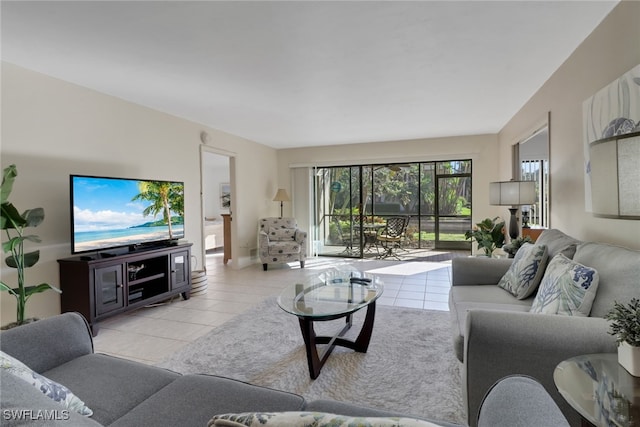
(531, 163)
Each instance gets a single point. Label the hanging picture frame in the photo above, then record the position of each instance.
(225, 195)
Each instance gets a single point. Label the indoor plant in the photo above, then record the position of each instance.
(625, 326)
(515, 244)
(14, 224)
(489, 234)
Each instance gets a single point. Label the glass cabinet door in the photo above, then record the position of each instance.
(180, 269)
(109, 288)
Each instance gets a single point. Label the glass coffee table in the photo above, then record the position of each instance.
(333, 294)
(600, 390)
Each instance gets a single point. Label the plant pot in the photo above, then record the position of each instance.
(629, 358)
(16, 324)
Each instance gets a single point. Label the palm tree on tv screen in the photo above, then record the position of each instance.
(164, 197)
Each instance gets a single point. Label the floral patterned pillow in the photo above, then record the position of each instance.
(52, 389)
(316, 419)
(567, 288)
(282, 234)
(525, 273)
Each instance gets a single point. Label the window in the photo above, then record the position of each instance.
(351, 200)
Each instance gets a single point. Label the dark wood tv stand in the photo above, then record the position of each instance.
(100, 287)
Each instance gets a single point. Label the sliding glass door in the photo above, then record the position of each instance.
(353, 203)
(338, 198)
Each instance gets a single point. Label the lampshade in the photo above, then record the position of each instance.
(281, 196)
(512, 193)
(615, 177)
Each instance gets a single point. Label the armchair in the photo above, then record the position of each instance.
(280, 241)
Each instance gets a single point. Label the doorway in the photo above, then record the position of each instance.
(217, 197)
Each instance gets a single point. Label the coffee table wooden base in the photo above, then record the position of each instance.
(361, 344)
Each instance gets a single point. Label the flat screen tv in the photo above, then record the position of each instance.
(108, 213)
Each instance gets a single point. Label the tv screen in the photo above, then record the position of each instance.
(109, 213)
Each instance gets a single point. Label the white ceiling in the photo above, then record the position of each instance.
(293, 74)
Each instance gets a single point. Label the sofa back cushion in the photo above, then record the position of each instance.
(619, 271)
(558, 242)
(49, 342)
(282, 234)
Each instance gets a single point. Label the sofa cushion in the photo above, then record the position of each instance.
(281, 234)
(567, 288)
(22, 404)
(316, 419)
(192, 400)
(116, 385)
(284, 248)
(486, 297)
(558, 242)
(523, 277)
(58, 348)
(619, 271)
(53, 390)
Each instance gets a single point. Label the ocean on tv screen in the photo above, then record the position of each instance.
(92, 240)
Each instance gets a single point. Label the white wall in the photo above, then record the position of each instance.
(51, 129)
(610, 51)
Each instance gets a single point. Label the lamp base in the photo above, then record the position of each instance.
(513, 224)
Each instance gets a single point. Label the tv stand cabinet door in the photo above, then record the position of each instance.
(180, 270)
(108, 288)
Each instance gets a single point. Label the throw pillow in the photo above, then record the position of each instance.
(316, 419)
(52, 389)
(525, 273)
(558, 242)
(282, 234)
(567, 288)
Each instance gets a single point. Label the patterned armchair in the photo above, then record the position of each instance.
(281, 242)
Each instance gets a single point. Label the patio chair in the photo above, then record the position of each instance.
(391, 237)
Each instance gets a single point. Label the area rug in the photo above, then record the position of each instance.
(410, 366)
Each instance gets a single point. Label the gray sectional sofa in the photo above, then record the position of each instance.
(126, 393)
(495, 335)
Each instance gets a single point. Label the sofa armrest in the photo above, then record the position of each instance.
(501, 343)
(478, 270)
(519, 401)
(263, 239)
(50, 342)
(300, 236)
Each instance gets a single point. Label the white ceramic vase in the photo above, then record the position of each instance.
(629, 358)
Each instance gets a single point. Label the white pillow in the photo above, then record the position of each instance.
(567, 288)
(52, 389)
(525, 273)
(316, 419)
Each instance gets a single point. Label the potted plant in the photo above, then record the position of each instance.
(14, 224)
(489, 235)
(513, 247)
(625, 326)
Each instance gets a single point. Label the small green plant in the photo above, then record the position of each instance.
(488, 234)
(625, 325)
(14, 224)
(513, 247)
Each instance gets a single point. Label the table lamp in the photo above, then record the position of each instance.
(281, 196)
(512, 193)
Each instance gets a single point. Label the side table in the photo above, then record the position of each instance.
(600, 390)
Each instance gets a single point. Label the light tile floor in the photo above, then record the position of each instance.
(151, 334)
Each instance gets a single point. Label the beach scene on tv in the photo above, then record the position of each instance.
(112, 212)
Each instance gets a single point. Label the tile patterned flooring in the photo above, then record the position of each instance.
(151, 334)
